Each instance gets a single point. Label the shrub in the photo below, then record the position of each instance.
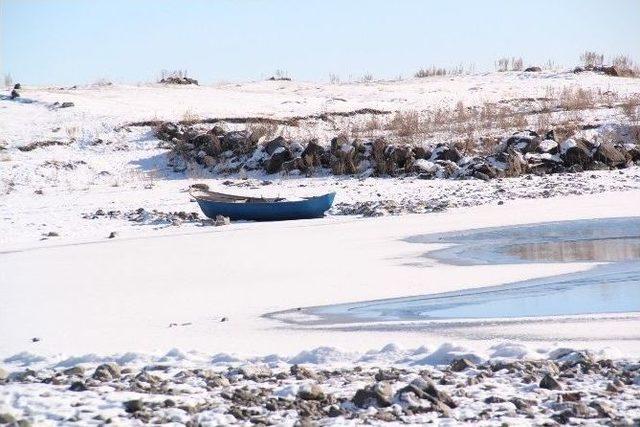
(592, 59)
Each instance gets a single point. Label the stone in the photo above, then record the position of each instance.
(7, 419)
(275, 145)
(311, 392)
(575, 152)
(426, 389)
(460, 365)
(222, 220)
(379, 394)
(278, 158)
(14, 94)
(605, 410)
(67, 104)
(550, 383)
(3, 374)
(132, 406)
(254, 372)
(112, 235)
(301, 372)
(610, 155)
(107, 372)
(17, 86)
(444, 152)
(76, 371)
(532, 70)
(78, 386)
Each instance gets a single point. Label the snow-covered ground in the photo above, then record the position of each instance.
(72, 295)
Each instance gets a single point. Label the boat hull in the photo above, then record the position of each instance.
(312, 207)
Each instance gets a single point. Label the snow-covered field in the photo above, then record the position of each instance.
(160, 293)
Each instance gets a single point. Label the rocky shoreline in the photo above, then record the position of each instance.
(570, 387)
(522, 153)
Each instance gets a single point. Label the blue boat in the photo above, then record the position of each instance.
(260, 208)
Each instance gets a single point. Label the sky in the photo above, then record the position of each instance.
(127, 41)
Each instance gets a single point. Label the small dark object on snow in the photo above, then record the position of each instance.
(460, 365)
(224, 319)
(67, 104)
(14, 94)
(132, 406)
(550, 383)
(533, 69)
(51, 234)
(112, 235)
(35, 339)
(17, 86)
(78, 386)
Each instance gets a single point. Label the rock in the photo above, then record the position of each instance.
(36, 339)
(17, 86)
(550, 383)
(255, 372)
(571, 397)
(275, 145)
(610, 155)
(76, 371)
(377, 395)
(444, 152)
(426, 389)
(107, 372)
(605, 410)
(277, 159)
(78, 386)
(112, 235)
(460, 365)
(532, 70)
(14, 94)
(132, 406)
(3, 374)
(222, 220)
(7, 419)
(301, 372)
(311, 392)
(312, 153)
(66, 104)
(575, 152)
(494, 399)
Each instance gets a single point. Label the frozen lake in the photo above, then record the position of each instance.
(611, 286)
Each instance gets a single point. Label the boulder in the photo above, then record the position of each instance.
(445, 152)
(239, 141)
(610, 155)
(523, 141)
(14, 94)
(532, 69)
(550, 383)
(379, 394)
(275, 163)
(462, 364)
(311, 392)
(274, 145)
(426, 389)
(17, 86)
(107, 372)
(575, 152)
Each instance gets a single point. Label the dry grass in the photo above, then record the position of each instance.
(405, 124)
(430, 72)
(263, 130)
(334, 79)
(509, 64)
(592, 59)
(190, 118)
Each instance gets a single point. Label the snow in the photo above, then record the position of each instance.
(91, 299)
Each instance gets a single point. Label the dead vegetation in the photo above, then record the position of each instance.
(509, 64)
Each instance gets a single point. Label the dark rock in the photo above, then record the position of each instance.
(443, 152)
(550, 383)
(76, 371)
(240, 142)
(112, 235)
(275, 145)
(460, 365)
(494, 399)
(277, 159)
(17, 86)
(301, 372)
(426, 389)
(132, 406)
(66, 104)
(311, 392)
(78, 386)
(532, 69)
(377, 395)
(578, 154)
(14, 94)
(167, 131)
(7, 419)
(610, 155)
(571, 397)
(605, 410)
